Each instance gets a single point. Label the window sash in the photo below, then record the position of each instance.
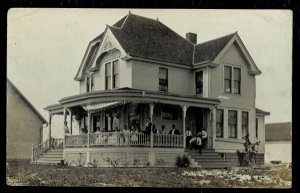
(237, 87)
(220, 123)
(232, 124)
(163, 79)
(163, 73)
(108, 69)
(199, 82)
(237, 74)
(115, 67)
(116, 81)
(87, 84)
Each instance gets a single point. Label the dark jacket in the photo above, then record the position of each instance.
(176, 132)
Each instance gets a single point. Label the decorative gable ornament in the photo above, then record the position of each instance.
(108, 44)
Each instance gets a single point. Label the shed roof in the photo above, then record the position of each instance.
(278, 131)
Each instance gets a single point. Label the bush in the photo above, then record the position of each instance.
(183, 161)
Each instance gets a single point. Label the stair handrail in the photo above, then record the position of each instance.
(39, 149)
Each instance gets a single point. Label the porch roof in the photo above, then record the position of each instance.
(101, 106)
(134, 95)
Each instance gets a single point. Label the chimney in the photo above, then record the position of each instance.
(191, 37)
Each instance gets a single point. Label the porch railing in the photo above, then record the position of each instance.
(123, 139)
(167, 140)
(37, 151)
(76, 140)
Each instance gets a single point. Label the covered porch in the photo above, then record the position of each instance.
(115, 120)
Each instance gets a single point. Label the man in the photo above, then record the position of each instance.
(163, 130)
(66, 128)
(174, 131)
(188, 134)
(148, 126)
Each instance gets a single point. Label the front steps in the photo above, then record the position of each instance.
(52, 157)
(208, 159)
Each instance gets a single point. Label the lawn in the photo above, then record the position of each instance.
(25, 174)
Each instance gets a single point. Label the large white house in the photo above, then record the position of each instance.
(139, 68)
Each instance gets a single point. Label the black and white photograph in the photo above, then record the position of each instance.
(172, 98)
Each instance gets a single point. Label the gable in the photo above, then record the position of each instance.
(239, 53)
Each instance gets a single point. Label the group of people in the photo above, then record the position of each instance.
(163, 131)
(198, 141)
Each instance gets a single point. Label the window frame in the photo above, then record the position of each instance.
(87, 84)
(247, 130)
(196, 83)
(220, 123)
(256, 128)
(159, 80)
(233, 80)
(107, 77)
(115, 83)
(229, 124)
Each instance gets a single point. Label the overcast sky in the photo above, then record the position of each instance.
(46, 46)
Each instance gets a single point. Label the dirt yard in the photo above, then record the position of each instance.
(25, 174)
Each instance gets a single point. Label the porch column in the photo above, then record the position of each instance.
(71, 118)
(184, 109)
(151, 107)
(65, 119)
(213, 124)
(49, 126)
(89, 129)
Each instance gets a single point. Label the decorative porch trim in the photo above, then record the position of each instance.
(102, 106)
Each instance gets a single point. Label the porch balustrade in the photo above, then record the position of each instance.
(123, 139)
(37, 151)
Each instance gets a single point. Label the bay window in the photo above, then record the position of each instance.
(232, 124)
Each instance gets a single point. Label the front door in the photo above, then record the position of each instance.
(198, 119)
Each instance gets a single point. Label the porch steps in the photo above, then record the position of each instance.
(208, 159)
(52, 157)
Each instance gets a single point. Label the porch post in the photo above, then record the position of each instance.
(71, 118)
(151, 107)
(65, 119)
(49, 126)
(89, 128)
(184, 109)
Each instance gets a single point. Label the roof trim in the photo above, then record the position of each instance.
(244, 50)
(26, 100)
(261, 112)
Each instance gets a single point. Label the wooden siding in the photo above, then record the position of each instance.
(23, 127)
(145, 76)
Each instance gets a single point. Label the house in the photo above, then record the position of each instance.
(24, 125)
(278, 145)
(139, 68)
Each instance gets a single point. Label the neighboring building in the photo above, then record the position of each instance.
(139, 68)
(278, 145)
(24, 125)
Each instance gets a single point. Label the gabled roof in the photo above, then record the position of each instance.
(26, 101)
(209, 50)
(148, 38)
(278, 131)
(261, 112)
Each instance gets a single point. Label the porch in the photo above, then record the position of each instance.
(103, 118)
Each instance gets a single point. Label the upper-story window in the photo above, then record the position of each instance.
(116, 74)
(220, 122)
(237, 81)
(232, 79)
(87, 84)
(199, 82)
(107, 76)
(163, 79)
(245, 124)
(232, 124)
(92, 82)
(227, 79)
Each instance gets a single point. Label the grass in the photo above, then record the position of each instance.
(47, 175)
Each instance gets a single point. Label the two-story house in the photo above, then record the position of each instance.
(139, 68)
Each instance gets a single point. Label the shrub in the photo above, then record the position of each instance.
(183, 161)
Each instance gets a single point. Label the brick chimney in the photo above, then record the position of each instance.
(192, 37)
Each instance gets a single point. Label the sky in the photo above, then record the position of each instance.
(45, 48)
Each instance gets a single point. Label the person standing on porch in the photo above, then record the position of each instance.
(115, 122)
(108, 123)
(188, 134)
(163, 130)
(66, 128)
(148, 126)
(174, 131)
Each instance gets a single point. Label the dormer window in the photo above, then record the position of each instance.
(163, 79)
(199, 82)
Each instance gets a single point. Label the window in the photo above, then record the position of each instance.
(163, 79)
(220, 122)
(92, 82)
(199, 82)
(256, 127)
(115, 74)
(232, 79)
(227, 79)
(245, 124)
(107, 76)
(232, 124)
(87, 84)
(237, 81)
